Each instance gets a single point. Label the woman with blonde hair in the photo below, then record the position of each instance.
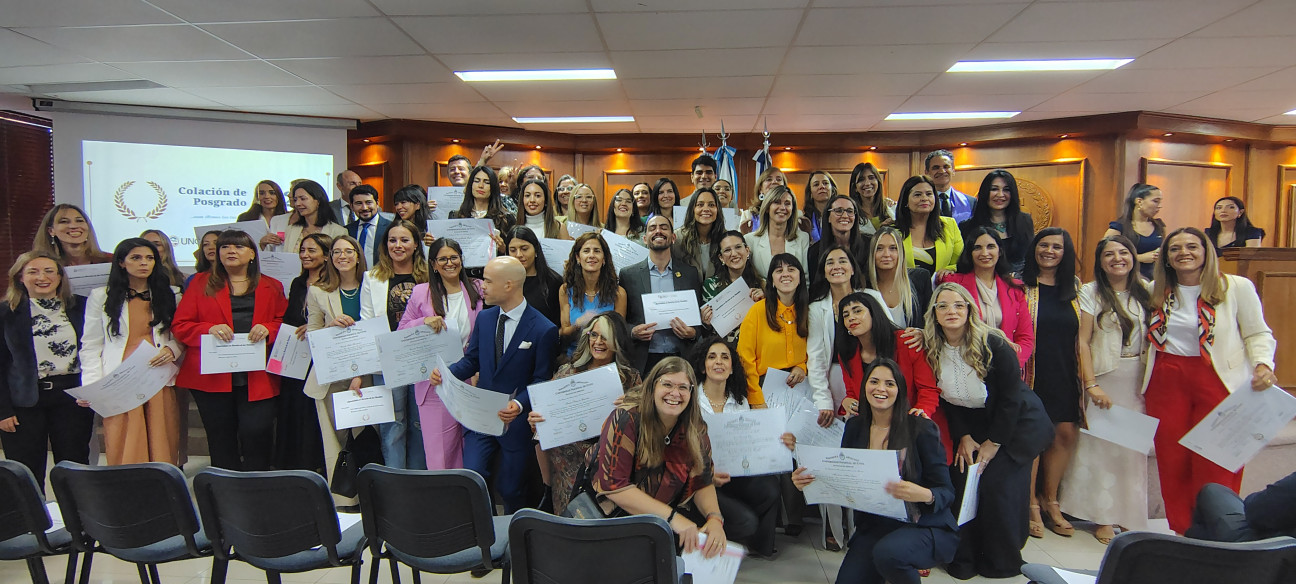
(778, 232)
(906, 291)
(66, 234)
(772, 177)
(584, 207)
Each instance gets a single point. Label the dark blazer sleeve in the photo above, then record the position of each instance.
(1004, 386)
(1273, 510)
(545, 342)
(935, 475)
(630, 279)
(10, 375)
(921, 281)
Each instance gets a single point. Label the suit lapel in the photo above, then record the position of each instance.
(519, 334)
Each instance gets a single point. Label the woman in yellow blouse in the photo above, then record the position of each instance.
(773, 335)
(931, 241)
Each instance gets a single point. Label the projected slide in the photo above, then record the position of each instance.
(133, 187)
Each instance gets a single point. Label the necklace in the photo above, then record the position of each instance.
(351, 295)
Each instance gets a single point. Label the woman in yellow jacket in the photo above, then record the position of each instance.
(930, 240)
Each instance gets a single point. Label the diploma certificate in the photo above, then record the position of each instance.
(374, 406)
(729, 307)
(342, 353)
(575, 407)
(749, 443)
(663, 306)
(722, 569)
(805, 426)
(290, 356)
(575, 229)
(1240, 426)
(556, 252)
(473, 235)
(129, 386)
(447, 199)
(239, 354)
(853, 477)
(971, 490)
(83, 279)
(625, 253)
(409, 355)
(474, 408)
(1122, 427)
(791, 399)
(280, 265)
(256, 229)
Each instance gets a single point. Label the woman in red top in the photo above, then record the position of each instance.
(865, 333)
(234, 299)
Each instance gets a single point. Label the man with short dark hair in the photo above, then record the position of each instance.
(457, 169)
(703, 175)
(939, 165)
(369, 225)
(659, 273)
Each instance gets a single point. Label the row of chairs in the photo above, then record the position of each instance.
(284, 522)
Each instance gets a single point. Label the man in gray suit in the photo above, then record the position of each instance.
(659, 273)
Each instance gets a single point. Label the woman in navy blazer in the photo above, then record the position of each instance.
(884, 549)
(34, 410)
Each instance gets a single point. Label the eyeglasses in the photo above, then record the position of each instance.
(617, 200)
(668, 386)
(947, 305)
(344, 252)
(843, 211)
(454, 259)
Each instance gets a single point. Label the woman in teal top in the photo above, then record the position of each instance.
(589, 286)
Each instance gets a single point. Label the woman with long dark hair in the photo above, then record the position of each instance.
(703, 228)
(1230, 226)
(1138, 223)
(204, 256)
(665, 195)
(312, 214)
(536, 213)
(773, 334)
(983, 269)
(931, 241)
(267, 203)
(589, 286)
(731, 261)
(482, 201)
(820, 187)
(166, 256)
(410, 203)
(642, 193)
(562, 195)
(999, 208)
(542, 284)
(864, 335)
(839, 228)
(622, 218)
(866, 190)
(298, 443)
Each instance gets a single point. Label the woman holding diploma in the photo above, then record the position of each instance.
(589, 286)
(133, 310)
(622, 219)
(1209, 338)
(237, 409)
(535, 211)
(42, 323)
(884, 549)
(837, 279)
(703, 228)
(66, 234)
(905, 291)
(449, 296)
(732, 262)
(773, 335)
(297, 433)
(1106, 483)
(602, 343)
(542, 283)
(654, 458)
(482, 201)
(994, 419)
(383, 294)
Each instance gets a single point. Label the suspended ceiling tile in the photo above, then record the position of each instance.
(608, 89)
(260, 10)
(212, 73)
(1006, 83)
(449, 92)
(713, 87)
(929, 58)
(268, 96)
(711, 108)
(1099, 21)
(850, 85)
(904, 25)
(478, 7)
(178, 42)
(343, 37)
(360, 70)
(526, 61)
(20, 13)
(65, 73)
(699, 30)
(1170, 80)
(502, 33)
(725, 62)
(1220, 52)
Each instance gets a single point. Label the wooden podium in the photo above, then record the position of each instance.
(1273, 269)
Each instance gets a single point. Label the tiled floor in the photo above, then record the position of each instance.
(800, 561)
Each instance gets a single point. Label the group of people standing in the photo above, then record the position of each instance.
(925, 310)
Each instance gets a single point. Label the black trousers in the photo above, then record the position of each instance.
(240, 433)
(750, 508)
(991, 544)
(57, 421)
(888, 551)
(1220, 516)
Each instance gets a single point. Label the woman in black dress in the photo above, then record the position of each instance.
(298, 445)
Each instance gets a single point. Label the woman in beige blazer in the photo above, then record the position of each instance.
(778, 231)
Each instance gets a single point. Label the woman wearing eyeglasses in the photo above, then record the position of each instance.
(840, 228)
(622, 218)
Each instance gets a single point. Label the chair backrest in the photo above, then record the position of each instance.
(426, 513)
(124, 507)
(1155, 557)
(545, 548)
(22, 507)
(268, 514)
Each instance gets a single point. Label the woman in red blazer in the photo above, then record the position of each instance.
(234, 298)
(984, 269)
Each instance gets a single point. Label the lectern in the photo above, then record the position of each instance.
(1273, 269)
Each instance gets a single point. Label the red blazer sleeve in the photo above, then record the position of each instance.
(188, 324)
(1024, 333)
(923, 391)
(270, 313)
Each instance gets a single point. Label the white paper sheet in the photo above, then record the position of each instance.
(722, 569)
(749, 443)
(730, 307)
(84, 279)
(447, 198)
(473, 235)
(805, 426)
(408, 356)
(575, 229)
(854, 478)
(237, 355)
(1074, 577)
(290, 356)
(779, 395)
(625, 253)
(971, 489)
(342, 353)
(256, 229)
(56, 517)
(374, 406)
(575, 407)
(556, 252)
(1121, 426)
(1240, 426)
(474, 408)
(663, 306)
(129, 386)
(837, 383)
(280, 265)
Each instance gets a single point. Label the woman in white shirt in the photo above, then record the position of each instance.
(312, 214)
(536, 213)
(1209, 338)
(778, 231)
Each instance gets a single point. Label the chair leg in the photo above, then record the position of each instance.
(374, 568)
(505, 573)
(418, 578)
(272, 577)
(153, 571)
(355, 573)
(36, 567)
(143, 574)
(70, 576)
(220, 570)
(395, 569)
(85, 568)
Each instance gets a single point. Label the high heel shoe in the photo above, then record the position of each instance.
(1056, 522)
(1036, 526)
(1105, 533)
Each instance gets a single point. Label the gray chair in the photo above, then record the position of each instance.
(282, 522)
(437, 521)
(140, 513)
(25, 524)
(625, 550)
(1146, 557)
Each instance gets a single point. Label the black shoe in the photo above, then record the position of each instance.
(764, 556)
(792, 530)
(961, 571)
(479, 572)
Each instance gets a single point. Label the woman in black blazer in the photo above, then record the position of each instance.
(884, 549)
(42, 323)
(994, 419)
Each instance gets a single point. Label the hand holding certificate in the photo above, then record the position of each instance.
(474, 408)
(779, 395)
(971, 490)
(290, 356)
(345, 352)
(129, 386)
(1122, 427)
(575, 407)
(408, 355)
(374, 405)
(749, 443)
(729, 307)
(473, 235)
(236, 355)
(805, 426)
(1240, 426)
(664, 306)
(721, 569)
(447, 199)
(853, 477)
(625, 253)
(83, 279)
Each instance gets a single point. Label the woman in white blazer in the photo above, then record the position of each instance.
(384, 294)
(134, 310)
(1208, 338)
(778, 231)
(312, 213)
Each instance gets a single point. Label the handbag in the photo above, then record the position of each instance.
(361, 448)
(583, 503)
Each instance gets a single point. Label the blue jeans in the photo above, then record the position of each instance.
(402, 440)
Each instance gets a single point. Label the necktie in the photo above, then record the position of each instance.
(364, 235)
(499, 338)
(945, 208)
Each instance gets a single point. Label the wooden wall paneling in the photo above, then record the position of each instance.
(378, 176)
(1283, 224)
(1053, 192)
(1277, 291)
(1189, 189)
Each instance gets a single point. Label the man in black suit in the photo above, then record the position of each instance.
(659, 273)
(1221, 515)
(369, 224)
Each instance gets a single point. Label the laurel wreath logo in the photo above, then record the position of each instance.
(119, 201)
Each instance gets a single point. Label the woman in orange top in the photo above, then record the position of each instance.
(773, 335)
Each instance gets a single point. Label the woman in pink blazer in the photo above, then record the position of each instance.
(450, 300)
(984, 271)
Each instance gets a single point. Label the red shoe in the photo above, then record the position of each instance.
(924, 573)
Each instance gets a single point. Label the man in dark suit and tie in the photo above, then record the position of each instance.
(512, 346)
(369, 224)
(659, 273)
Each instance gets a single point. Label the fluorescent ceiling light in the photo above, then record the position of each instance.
(1290, 113)
(539, 75)
(1041, 65)
(952, 116)
(576, 120)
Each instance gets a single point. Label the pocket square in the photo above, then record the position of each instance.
(525, 345)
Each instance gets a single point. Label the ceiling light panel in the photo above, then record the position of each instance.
(1038, 65)
(950, 116)
(537, 75)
